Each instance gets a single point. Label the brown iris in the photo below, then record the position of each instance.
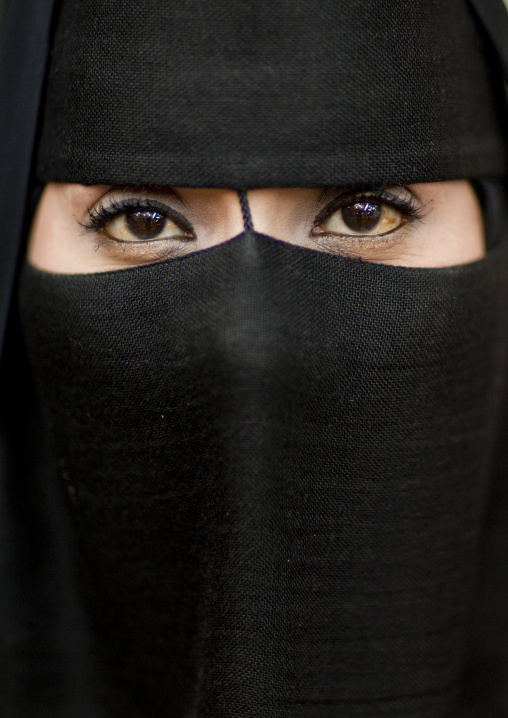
(145, 224)
(362, 216)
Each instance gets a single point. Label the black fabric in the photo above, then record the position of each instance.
(47, 659)
(486, 676)
(277, 462)
(492, 13)
(271, 94)
(24, 48)
(43, 664)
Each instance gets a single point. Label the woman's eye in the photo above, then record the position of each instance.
(143, 224)
(362, 218)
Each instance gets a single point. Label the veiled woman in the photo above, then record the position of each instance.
(261, 470)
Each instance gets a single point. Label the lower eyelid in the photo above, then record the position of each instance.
(372, 249)
(138, 252)
(364, 246)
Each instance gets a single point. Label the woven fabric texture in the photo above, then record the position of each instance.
(271, 94)
(277, 462)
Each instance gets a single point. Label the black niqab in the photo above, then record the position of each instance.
(278, 492)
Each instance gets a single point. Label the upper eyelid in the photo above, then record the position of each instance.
(381, 194)
(102, 212)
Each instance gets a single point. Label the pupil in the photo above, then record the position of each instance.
(362, 216)
(145, 224)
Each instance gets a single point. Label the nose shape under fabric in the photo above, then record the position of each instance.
(276, 466)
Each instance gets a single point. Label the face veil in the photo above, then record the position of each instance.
(277, 463)
(262, 480)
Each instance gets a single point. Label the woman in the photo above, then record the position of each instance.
(276, 453)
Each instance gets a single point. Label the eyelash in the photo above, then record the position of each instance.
(100, 215)
(407, 207)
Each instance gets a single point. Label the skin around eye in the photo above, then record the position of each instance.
(80, 229)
